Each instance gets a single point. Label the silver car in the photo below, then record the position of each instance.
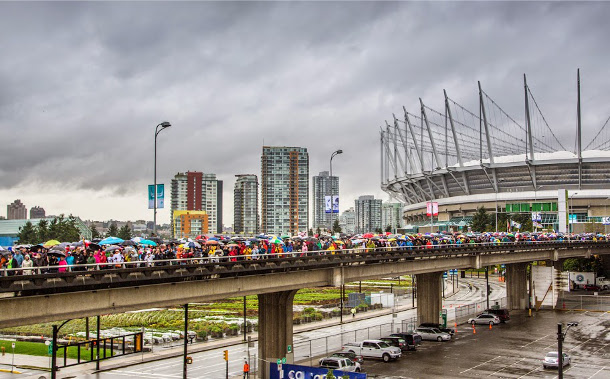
(485, 319)
(433, 334)
(552, 360)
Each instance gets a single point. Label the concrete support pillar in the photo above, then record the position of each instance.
(516, 285)
(429, 302)
(274, 328)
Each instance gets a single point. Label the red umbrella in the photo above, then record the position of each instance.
(368, 235)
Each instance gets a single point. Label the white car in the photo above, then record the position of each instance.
(485, 319)
(432, 334)
(552, 360)
(343, 364)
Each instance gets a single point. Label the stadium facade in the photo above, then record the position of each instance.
(463, 160)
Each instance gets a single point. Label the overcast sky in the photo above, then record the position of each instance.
(83, 85)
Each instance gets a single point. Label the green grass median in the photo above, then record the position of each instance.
(40, 349)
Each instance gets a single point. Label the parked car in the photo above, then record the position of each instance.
(396, 342)
(433, 334)
(347, 354)
(343, 364)
(552, 360)
(373, 349)
(436, 326)
(412, 339)
(485, 319)
(592, 287)
(502, 314)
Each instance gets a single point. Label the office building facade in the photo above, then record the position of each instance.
(347, 221)
(16, 211)
(284, 190)
(197, 191)
(391, 216)
(37, 212)
(368, 214)
(324, 185)
(245, 205)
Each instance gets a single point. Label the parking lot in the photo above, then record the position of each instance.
(511, 350)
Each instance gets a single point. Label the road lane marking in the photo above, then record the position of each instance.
(480, 364)
(536, 369)
(505, 367)
(601, 369)
(536, 340)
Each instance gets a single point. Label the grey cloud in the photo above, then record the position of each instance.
(84, 84)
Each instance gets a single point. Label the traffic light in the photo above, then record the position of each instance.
(226, 355)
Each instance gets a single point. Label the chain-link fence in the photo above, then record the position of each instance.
(325, 346)
(461, 314)
(588, 302)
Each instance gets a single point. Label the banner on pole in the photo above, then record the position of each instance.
(432, 208)
(327, 204)
(151, 196)
(335, 204)
(160, 195)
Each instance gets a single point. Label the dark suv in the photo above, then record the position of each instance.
(501, 313)
(436, 326)
(411, 339)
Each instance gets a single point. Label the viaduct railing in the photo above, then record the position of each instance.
(47, 280)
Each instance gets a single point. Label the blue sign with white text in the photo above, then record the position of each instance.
(306, 372)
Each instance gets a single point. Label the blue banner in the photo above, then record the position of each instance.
(306, 372)
(151, 196)
(160, 195)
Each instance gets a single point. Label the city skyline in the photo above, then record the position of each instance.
(85, 86)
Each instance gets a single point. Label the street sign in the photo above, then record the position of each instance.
(13, 345)
(289, 349)
(284, 360)
(279, 362)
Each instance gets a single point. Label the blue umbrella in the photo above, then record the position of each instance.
(148, 242)
(111, 241)
(213, 239)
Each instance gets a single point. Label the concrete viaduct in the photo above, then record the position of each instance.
(50, 297)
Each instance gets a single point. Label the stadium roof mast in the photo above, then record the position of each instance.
(529, 138)
(579, 132)
(488, 137)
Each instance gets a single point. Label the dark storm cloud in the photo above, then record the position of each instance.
(84, 84)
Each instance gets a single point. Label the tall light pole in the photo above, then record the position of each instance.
(330, 184)
(164, 125)
(570, 209)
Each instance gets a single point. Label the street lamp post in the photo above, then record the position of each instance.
(560, 337)
(330, 184)
(164, 125)
(570, 209)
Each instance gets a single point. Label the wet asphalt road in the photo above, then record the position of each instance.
(511, 350)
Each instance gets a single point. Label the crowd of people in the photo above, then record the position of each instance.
(85, 255)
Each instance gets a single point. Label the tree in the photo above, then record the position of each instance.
(318, 231)
(378, 230)
(112, 230)
(480, 220)
(125, 232)
(94, 232)
(388, 228)
(336, 226)
(525, 219)
(27, 234)
(310, 233)
(42, 231)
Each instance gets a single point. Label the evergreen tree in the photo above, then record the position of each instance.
(388, 228)
(94, 232)
(336, 227)
(112, 230)
(124, 232)
(378, 231)
(318, 231)
(27, 234)
(310, 233)
(480, 220)
(42, 231)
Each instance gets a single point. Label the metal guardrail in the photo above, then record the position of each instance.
(47, 280)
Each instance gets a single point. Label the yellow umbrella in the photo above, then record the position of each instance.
(51, 243)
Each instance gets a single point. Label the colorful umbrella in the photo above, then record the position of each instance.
(50, 243)
(148, 243)
(111, 241)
